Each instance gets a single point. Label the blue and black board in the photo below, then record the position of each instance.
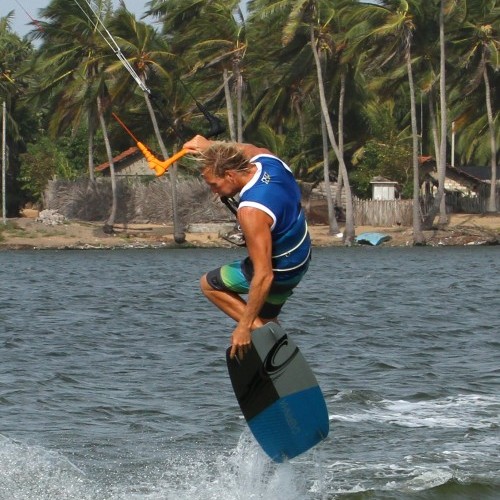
(278, 394)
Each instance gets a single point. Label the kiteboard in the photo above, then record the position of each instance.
(278, 394)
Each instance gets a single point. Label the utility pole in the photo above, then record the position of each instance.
(4, 162)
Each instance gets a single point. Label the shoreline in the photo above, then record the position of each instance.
(27, 233)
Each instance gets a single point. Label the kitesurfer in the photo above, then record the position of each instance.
(275, 231)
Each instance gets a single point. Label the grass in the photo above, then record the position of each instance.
(10, 227)
(13, 229)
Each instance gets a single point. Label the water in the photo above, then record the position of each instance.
(113, 382)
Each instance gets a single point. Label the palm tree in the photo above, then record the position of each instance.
(349, 231)
(108, 226)
(148, 54)
(209, 39)
(8, 43)
(218, 54)
(228, 52)
(441, 143)
(332, 220)
(280, 84)
(281, 95)
(446, 8)
(209, 46)
(14, 51)
(479, 46)
(72, 59)
(304, 20)
(387, 33)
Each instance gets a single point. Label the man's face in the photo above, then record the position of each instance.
(223, 186)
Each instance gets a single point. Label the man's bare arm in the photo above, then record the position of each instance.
(256, 226)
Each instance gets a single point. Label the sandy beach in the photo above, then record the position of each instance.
(29, 232)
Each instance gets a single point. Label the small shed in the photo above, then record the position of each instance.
(383, 189)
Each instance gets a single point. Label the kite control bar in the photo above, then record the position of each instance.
(159, 166)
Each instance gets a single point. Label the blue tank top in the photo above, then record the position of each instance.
(274, 190)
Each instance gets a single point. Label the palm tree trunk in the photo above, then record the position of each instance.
(437, 150)
(443, 218)
(418, 237)
(300, 117)
(179, 234)
(338, 190)
(349, 232)
(340, 178)
(229, 106)
(91, 186)
(439, 204)
(492, 199)
(239, 112)
(332, 221)
(435, 137)
(341, 112)
(91, 149)
(108, 225)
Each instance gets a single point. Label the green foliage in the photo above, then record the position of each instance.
(387, 154)
(51, 88)
(44, 160)
(391, 161)
(74, 146)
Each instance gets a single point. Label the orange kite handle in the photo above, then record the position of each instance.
(169, 161)
(160, 167)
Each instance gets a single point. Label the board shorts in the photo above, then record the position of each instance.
(236, 276)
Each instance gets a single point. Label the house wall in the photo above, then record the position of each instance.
(383, 191)
(138, 167)
(454, 185)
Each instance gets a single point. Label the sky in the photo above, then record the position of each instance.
(21, 20)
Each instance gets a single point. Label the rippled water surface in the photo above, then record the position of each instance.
(113, 382)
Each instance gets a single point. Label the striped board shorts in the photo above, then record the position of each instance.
(236, 276)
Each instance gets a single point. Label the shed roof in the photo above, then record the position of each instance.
(379, 180)
(119, 160)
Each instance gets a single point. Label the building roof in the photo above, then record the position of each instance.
(118, 160)
(470, 173)
(482, 173)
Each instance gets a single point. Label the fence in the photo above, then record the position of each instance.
(382, 213)
(137, 200)
(140, 201)
(386, 213)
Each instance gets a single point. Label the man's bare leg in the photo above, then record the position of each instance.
(229, 303)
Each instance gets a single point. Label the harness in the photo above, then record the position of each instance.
(292, 250)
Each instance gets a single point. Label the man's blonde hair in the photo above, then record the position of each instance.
(221, 157)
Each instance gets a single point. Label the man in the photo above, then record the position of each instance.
(275, 231)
